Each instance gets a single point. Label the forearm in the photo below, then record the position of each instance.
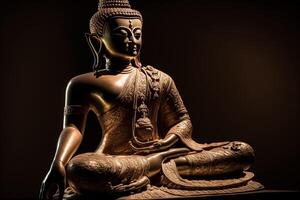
(181, 129)
(169, 141)
(68, 142)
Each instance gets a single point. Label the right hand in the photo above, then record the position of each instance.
(55, 177)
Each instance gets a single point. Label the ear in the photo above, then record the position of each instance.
(95, 52)
(99, 41)
(97, 38)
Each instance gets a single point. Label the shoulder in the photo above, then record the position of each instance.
(81, 79)
(79, 84)
(165, 79)
(163, 76)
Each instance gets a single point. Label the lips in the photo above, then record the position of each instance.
(132, 49)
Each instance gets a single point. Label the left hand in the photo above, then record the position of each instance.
(156, 146)
(160, 145)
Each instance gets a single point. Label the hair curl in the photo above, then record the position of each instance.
(108, 9)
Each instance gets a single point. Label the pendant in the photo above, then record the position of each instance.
(143, 124)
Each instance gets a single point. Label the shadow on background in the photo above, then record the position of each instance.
(235, 63)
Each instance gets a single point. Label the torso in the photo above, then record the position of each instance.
(110, 97)
(100, 93)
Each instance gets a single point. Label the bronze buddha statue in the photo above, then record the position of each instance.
(146, 147)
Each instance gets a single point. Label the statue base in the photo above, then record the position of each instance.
(154, 192)
(166, 193)
(261, 194)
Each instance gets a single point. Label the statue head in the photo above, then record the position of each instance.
(118, 29)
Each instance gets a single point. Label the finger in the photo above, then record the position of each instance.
(43, 191)
(156, 144)
(118, 187)
(61, 189)
(41, 195)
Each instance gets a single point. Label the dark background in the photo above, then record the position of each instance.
(236, 64)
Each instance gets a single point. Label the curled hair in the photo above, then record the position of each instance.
(108, 9)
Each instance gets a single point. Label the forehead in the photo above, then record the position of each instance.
(121, 21)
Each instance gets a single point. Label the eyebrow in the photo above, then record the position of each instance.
(119, 27)
(134, 29)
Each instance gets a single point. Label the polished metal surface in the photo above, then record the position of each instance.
(130, 100)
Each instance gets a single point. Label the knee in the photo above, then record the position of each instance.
(84, 173)
(242, 147)
(244, 153)
(78, 165)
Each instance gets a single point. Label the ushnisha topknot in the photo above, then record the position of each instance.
(111, 8)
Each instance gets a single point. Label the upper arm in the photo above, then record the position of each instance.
(76, 106)
(172, 109)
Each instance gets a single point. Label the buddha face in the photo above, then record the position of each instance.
(123, 37)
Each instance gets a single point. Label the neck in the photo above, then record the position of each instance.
(118, 65)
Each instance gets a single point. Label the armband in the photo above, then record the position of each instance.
(74, 110)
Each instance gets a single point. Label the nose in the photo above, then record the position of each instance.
(132, 38)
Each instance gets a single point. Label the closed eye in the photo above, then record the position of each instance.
(137, 33)
(121, 32)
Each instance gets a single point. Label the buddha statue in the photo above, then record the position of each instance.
(146, 149)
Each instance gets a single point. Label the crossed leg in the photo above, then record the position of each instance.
(99, 173)
(233, 157)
